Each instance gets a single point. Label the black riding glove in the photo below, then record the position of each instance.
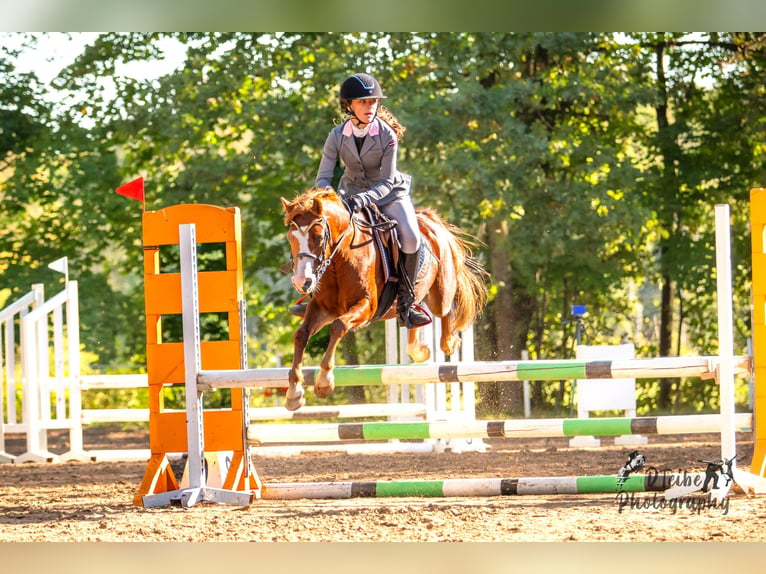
(356, 203)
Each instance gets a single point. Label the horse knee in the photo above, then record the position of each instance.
(301, 338)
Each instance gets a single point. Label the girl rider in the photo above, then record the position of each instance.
(367, 144)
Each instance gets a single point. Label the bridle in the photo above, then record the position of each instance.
(324, 259)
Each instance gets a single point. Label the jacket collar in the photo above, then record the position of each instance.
(374, 128)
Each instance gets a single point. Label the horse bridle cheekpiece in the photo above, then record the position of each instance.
(323, 260)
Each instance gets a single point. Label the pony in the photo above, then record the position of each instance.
(335, 261)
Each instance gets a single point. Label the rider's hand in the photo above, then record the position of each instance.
(356, 202)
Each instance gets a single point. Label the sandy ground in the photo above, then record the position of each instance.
(92, 501)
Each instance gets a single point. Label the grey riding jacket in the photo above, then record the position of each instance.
(372, 170)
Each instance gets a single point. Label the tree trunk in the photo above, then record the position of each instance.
(666, 339)
(667, 216)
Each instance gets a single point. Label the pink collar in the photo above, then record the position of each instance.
(374, 128)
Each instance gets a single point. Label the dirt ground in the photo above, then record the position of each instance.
(92, 501)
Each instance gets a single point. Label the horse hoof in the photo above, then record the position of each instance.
(293, 404)
(294, 398)
(452, 347)
(324, 392)
(420, 355)
(325, 384)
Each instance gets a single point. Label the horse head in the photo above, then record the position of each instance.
(315, 221)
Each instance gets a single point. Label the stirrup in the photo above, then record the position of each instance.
(414, 316)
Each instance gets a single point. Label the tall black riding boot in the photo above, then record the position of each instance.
(410, 315)
(299, 309)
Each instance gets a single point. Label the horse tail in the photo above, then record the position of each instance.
(471, 281)
(470, 278)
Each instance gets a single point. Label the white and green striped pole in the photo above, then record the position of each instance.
(650, 482)
(539, 370)
(512, 428)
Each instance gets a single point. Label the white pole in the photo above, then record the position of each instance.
(725, 332)
(527, 398)
(191, 332)
(76, 448)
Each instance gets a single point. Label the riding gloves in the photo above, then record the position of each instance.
(355, 203)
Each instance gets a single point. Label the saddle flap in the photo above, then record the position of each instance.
(385, 238)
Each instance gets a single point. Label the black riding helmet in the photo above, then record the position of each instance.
(359, 87)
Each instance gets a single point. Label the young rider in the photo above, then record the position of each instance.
(367, 144)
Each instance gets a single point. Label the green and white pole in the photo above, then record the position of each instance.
(364, 375)
(650, 482)
(513, 428)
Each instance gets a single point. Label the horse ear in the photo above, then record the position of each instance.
(316, 207)
(286, 205)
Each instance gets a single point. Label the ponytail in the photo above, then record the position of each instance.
(385, 115)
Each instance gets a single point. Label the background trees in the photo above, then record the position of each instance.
(588, 164)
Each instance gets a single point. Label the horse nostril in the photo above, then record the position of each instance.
(307, 285)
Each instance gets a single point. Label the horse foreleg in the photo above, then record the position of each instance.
(294, 398)
(324, 384)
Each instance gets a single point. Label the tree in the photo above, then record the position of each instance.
(535, 130)
(696, 158)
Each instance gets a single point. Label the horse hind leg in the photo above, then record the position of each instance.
(418, 352)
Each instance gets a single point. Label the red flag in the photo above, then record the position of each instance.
(133, 189)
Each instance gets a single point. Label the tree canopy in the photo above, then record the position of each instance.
(587, 163)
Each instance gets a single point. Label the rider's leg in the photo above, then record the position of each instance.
(403, 212)
(299, 309)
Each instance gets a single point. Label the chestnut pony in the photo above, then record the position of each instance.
(336, 261)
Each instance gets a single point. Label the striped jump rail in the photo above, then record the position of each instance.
(513, 428)
(479, 487)
(362, 375)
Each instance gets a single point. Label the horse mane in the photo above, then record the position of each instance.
(305, 201)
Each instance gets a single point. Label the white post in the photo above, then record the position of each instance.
(725, 332)
(525, 389)
(192, 361)
(76, 448)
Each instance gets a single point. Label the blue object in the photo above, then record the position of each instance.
(579, 310)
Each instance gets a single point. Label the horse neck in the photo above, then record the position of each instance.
(339, 223)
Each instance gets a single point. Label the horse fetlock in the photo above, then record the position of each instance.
(451, 345)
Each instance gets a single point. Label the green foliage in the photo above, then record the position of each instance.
(588, 168)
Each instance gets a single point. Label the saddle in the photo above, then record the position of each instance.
(386, 241)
